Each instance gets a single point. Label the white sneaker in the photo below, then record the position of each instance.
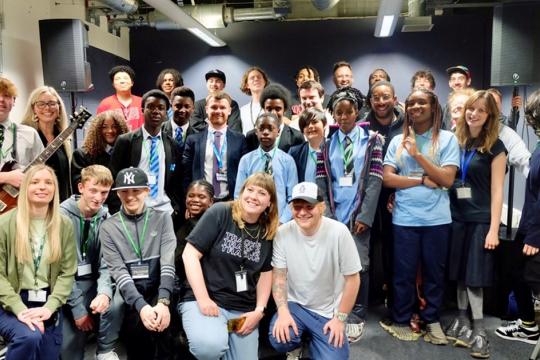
(355, 332)
(111, 355)
(296, 354)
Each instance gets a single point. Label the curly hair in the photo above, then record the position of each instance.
(177, 78)
(245, 77)
(94, 144)
(276, 91)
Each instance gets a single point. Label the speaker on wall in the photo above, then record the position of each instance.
(515, 48)
(63, 54)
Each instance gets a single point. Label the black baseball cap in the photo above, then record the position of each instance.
(460, 69)
(131, 178)
(216, 73)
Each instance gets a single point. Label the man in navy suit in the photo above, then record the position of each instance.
(214, 153)
(135, 149)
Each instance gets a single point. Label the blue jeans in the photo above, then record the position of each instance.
(312, 323)
(107, 325)
(26, 344)
(208, 336)
(428, 245)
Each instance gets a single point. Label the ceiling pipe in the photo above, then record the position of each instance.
(122, 6)
(324, 4)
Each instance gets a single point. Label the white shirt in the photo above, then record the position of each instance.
(209, 170)
(29, 145)
(248, 115)
(162, 201)
(184, 127)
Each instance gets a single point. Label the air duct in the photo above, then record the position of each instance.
(122, 6)
(323, 5)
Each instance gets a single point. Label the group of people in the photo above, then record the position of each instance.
(177, 219)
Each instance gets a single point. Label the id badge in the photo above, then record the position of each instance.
(346, 181)
(139, 271)
(37, 296)
(241, 280)
(84, 269)
(221, 176)
(464, 193)
(152, 179)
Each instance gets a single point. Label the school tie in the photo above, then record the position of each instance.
(268, 164)
(1, 136)
(348, 155)
(178, 136)
(217, 144)
(154, 165)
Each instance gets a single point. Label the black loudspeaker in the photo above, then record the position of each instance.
(63, 53)
(515, 49)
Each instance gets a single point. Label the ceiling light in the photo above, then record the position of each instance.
(387, 17)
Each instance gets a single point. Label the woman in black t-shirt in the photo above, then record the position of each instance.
(476, 204)
(228, 265)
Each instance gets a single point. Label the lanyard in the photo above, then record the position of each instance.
(37, 258)
(263, 154)
(219, 154)
(85, 239)
(312, 154)
(465, 162)
(140, 244)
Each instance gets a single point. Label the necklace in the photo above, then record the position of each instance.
(255, 237)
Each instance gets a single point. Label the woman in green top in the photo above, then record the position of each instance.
(37, 267)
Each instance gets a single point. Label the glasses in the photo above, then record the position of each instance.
(43, 104)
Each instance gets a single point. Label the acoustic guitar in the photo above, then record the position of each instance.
(9, 193)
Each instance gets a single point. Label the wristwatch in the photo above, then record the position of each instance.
(164, 301)
(341, 316)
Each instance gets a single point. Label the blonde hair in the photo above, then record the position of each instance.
(100, 173)
(52, 220)
(490, 130)
(269, 219)
(461, 92)
(60, 124)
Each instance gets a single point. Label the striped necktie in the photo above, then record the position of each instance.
(1, 136)
(215, 182)
(268, 164)
(348, 156)
(154, 165)
(178, 136)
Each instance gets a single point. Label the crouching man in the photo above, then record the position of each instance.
(315, 278)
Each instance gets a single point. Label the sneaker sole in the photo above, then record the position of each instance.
(532, 342)
(461, 343)
(431, 340)
(479, 355)
(388, 329)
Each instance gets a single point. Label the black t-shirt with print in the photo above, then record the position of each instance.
(478, 207)
(225, 249)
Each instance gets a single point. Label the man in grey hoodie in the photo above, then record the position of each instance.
(88, 306)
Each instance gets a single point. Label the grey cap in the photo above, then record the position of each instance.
(307, 191)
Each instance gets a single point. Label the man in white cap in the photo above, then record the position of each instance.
(315, 278)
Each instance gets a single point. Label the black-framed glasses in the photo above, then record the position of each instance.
(43, 104)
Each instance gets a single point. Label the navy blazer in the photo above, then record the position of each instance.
(300, 155)
(288, 137)
(127, 152)
(195, 154)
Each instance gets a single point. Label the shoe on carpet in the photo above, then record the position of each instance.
(402, 332)
(435, 334)
(452, 331)
(464, 337)
(296, 354)
(517, 331)
(111, 355)
(355, 332)
(480, 346)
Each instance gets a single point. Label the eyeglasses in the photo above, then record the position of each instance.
(42, 104)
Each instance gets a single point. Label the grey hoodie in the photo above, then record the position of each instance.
(76, 302)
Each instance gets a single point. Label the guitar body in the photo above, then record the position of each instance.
(8, 193)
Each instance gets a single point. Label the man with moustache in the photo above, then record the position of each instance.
(153, 151)
(214, 153)
(215, 83)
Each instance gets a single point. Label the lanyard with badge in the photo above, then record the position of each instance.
(221, 173)
(37, 295)
(139, 270)
(348, 179)
(464, 192)
(241, 276)
(85, 227)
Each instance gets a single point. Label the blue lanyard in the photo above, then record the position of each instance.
(219, 154)
(465, 162)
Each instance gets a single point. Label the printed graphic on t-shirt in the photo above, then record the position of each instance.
(232, 245)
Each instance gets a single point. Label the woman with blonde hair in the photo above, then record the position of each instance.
(98, 143)
(476, 203)
(39, 263)
(228, 266)
(45, 112)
